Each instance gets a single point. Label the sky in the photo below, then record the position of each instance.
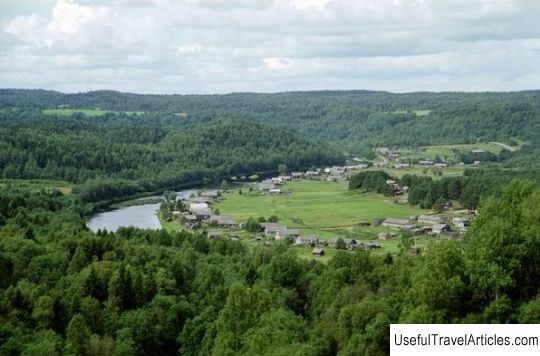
(222, 46)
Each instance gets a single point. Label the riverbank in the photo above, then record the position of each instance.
(138, 201)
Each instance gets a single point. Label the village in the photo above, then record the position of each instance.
(200, 212)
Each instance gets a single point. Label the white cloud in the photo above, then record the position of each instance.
(189, 48)
(259, 45)
(306, 4)
(276, 63)
(69, 17)
(25, 27)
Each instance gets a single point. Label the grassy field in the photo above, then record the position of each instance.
(86, 112)
(325, 210)
(170, 226)
(137, 201)
(319, 209)
(306, 253)
(316, 208)
(37, 184)
(430, 152)
(452, 171)
(422, 112)
(418, 113)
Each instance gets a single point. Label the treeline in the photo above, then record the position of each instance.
(429, 193)
(353, 119)
(471, 157)
(468, 190)
(66, 290)
(372, 180)
(116, 160)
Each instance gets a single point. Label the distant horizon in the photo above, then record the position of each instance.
(279, 92)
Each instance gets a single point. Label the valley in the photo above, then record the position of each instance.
(304, 222)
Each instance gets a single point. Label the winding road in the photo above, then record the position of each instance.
(509, 148)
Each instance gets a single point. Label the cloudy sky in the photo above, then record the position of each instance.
(219, 46)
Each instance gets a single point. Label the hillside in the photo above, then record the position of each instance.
(346, 118)
(67, 290)
(146, 158)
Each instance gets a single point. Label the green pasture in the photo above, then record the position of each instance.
(418, 113)
(448, 151)
(451, 171)
(422, 112)
(86, 112)
(170, 226)
(38, 184)
(316, 208)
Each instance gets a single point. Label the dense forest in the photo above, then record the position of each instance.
(352, 119)
(428, 193)
(66, 290)
(114, 158)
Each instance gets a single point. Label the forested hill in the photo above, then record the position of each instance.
(343, 117)
(130, 158)
(67, 291)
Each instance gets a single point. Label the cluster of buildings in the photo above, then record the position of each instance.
(348, 244)
(280, 232)
(338, 173)
(272, 185)
(398, 188)
(198, 210)
(399, 162)
(426, 224)
(387, 152)
(329, 174)
(426, 163)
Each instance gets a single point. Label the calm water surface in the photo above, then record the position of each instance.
(141, 216)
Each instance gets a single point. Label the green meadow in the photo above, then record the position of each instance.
(448, 151)
(418, 113)
(319, 208)
(422, 112)
(170, 226)
(451, 171)
(38, 184)
(86, 112)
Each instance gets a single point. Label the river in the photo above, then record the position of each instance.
(141, 216)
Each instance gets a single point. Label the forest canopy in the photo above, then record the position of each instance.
(67, 290)
(118, 159)
(348, 118)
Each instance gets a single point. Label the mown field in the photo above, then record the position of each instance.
(418, 113)
(38, 184)
(316, 208)
(451, 171)
(86, 112)
(442, 151)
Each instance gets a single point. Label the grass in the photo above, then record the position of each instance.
(37, 184)
(387, 246)
(451, 171)
(392, 245)
(137, 201)
(316, 208)
(319, 209)
(86, 112)
(418, 113)
(422, 112)
(430, 152)
(306, 253)
(169, 226)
